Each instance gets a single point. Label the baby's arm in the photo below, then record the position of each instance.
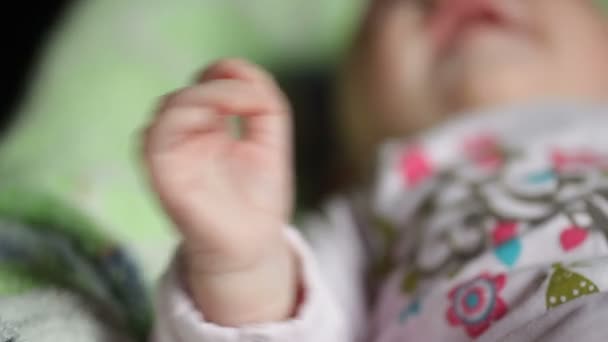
(231, 199)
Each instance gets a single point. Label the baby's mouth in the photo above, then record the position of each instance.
(450, 20)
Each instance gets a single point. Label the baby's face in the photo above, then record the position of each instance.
(429, 59)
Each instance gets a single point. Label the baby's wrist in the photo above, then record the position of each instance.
(262, 291)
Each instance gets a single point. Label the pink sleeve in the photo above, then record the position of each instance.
(319, 318)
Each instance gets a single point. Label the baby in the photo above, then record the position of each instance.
(491, 226)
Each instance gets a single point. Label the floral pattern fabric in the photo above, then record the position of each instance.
(465, 212)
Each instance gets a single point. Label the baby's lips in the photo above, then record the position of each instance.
(451, 17)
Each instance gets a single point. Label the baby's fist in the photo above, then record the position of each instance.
(229, 197)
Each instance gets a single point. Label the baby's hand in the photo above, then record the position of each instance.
(229, 197)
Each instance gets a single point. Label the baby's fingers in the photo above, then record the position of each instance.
(223, 96)
(201, 110)
(272, 128)
(176, 125)
(239, 69)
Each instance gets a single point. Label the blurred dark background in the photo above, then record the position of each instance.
(310, 92)
(24, 29)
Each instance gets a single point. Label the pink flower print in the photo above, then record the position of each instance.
(504, 232)
(477, 304)
(572, 237)
(485, 151)
(575, 160)
(415, 166)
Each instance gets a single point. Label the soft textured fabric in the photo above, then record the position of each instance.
(319, 318)
(492, 227)
(492, 215)
(58, 315)
(59, 270)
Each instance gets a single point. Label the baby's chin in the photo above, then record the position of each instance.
(468, 87)
(491, 45)
(486, 71)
